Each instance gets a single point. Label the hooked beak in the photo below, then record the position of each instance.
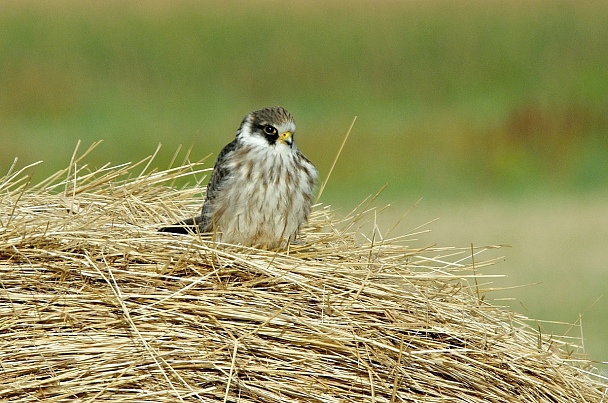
(286, 138)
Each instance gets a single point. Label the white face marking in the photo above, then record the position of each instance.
(247, 137)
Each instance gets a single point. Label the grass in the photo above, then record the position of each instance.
(99, 305)
(554, 265)
(496, 92)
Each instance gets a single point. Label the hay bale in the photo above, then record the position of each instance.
(95, 305)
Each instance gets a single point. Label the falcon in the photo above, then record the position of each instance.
(261, 189)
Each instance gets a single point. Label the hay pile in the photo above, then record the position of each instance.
(95, 305)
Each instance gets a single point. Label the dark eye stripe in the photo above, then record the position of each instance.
(267, 129)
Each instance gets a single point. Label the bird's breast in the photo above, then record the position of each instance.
(266, 198)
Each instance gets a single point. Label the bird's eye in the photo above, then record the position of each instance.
(268, 129)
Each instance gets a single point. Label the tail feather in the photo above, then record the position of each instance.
(187, 226)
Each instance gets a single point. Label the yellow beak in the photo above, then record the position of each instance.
(285, 138)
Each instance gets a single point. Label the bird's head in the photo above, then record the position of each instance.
(273, 126)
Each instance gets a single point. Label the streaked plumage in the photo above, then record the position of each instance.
(261, 189)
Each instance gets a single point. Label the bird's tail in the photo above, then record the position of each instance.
(187, 226)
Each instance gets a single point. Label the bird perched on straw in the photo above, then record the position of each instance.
(261, 188)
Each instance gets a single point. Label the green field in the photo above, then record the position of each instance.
(450, 98)
(496, 113)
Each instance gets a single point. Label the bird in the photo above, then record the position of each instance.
(261, 188)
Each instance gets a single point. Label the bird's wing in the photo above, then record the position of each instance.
(221, 172)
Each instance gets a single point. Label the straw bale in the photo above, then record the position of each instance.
(96, 305)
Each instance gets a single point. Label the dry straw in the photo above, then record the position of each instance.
(95, 305)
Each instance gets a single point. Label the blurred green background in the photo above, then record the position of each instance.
(495, 113)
